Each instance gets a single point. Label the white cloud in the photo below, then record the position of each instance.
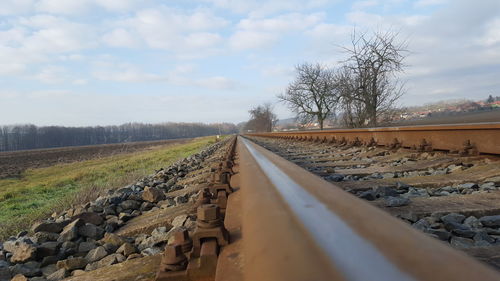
(283, 23)
(14, 61)
(443, 91)
(134, 75)
(202, 40)
(180, 31)
(248, 39)
(176, 20)
(119, 5)
(53, 34)
(63, 6)
(216, 82)
(80, 82)
(328, 31)
(365, 19)
(260, 8)
(72, 57)
(52, 74)
(263, 32)
(13, 7)
(186, 68)
(4, 95)
(13, 36)
(179, 75)
(127, 75)
(120, 37)
(371, 21)
(123, 72)
(43, 94)
(492, 33)
(30, 40)
(360, 5)
(427, 3)
(72, 7)
(11, 68)
(277, 70)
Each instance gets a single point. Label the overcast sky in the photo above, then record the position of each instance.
(102, 62)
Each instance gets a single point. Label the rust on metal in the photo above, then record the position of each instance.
(173, 264)
(203, 268)
(297, 226)
(230, 262)
(480, 138)
(174, 258)
(203, 197)
(221, 200)
(195, 257)
(182, 238)
(215, 187)
(209, 225)
(424, 146)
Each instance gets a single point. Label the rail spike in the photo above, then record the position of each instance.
(356, 142)
(469, 149)
(395, 144)
(425, 146)
(371, 142)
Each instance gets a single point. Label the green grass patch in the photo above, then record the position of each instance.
(40, 192)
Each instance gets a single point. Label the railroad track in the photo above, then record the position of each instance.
(407, 203)
(385, 204)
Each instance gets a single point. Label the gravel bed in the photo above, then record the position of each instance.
(81, 238)
(456, 229)
(459, 230)
(408, 192)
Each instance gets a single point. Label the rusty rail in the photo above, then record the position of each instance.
(296, 226)
(465, 139)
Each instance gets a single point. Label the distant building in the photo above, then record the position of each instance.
(495, 104)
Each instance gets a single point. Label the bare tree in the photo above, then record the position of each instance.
(490, 99)
(262, 119)
(371, 71)
(353, 109)
(313, 94)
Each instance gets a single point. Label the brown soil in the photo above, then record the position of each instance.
(13, 163)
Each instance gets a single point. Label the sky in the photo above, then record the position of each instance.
(108, 62)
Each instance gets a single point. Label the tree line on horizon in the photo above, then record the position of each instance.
(21, 137)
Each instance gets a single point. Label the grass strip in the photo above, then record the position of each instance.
(40, 192)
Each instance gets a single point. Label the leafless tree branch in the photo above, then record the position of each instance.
(313, 94)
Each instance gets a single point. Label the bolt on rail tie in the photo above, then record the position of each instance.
(195, 257)
(202, 249)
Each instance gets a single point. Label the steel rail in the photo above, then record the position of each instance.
(296, 226)
(480, 138)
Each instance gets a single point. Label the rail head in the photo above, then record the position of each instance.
(296, 226)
